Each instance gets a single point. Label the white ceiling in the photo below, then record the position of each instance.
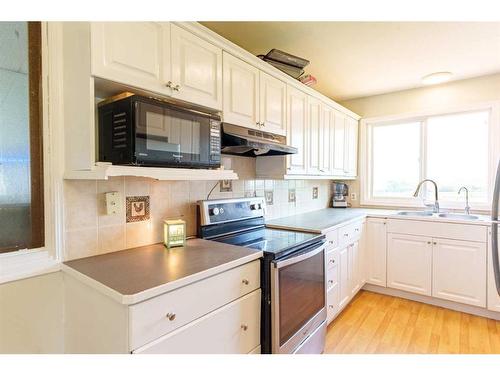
(357, 59)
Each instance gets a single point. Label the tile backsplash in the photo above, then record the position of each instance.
(90, 231)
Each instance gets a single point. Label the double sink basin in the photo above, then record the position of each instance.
(451, 216)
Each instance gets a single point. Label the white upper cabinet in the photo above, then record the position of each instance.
(241, 92)
(409, 263)
(326, 136)
(459, 271)
(132, 53)
(297, 130)
(314, 125)
(351, 147)
(339, 154)
(196, 69)
(376, 251)
(272, 104)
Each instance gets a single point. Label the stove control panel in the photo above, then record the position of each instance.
(220, 211)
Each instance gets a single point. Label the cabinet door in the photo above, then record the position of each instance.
(240, 92)
(345, 291)
(493, 297)
(339, 144)
(326, 136)
(297, 130)
(196, 69)
(314, 116)
(409, 263)
(459, 271)
(132, 53)
(363, 255)
(272, 104)
(351, 147)
(376, 252)
(354, 268)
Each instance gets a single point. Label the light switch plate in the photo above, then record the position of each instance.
(354, 196)
(113, 202)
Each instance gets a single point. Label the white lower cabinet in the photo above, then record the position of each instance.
(344, 288)
(354, 268)
(459, 271)
(332, 283)
(234, 328)
(409, 263)
(376, 251)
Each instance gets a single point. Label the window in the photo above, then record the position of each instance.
(452, 149)
(21, 170)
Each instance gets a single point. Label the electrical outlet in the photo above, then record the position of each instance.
(113, 202)
(226, 186)
(315, 192)
(269, 197)
(291, 195)
(354, 196)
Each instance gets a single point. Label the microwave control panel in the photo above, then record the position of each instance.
(215, 140)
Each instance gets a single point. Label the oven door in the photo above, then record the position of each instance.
(166, 135)
(298, 297)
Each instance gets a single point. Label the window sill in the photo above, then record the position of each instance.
(24, 264)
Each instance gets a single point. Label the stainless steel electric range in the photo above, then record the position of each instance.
(292, 272)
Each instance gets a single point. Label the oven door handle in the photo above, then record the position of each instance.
(279, 264)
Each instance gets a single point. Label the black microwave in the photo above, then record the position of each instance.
(137, 130)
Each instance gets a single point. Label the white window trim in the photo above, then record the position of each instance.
(32, 262)
(366, 166)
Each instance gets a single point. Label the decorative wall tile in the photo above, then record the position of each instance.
(137, 208)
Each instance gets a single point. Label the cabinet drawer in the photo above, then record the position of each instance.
(332, 299)
(350, 233)
(332, 239)
(232, 329)
(332, 259)
(148, 320)
(464, 232)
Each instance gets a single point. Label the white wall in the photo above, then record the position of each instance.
(31, 315)
(449, 95)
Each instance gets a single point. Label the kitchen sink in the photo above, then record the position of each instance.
(459, 216)
(414, 213)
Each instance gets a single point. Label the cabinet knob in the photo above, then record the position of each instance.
(244, 327)
(262, 124)
(330, 306)
(176, 88)
(169, 84)
(245, 281)
(356, 229)
(428, 242)
(171, 316)
(346, 234)
(332, 261)
(330, 281)
(435, 243)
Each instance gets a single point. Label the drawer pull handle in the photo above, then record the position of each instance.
(356, 230)
(330, 306)
(330, 281)
(331, 242)
(169, 84)
(245, 281)
(346, 234)
(244, 327)
(171, 316)
(176, 88)
(332, 261)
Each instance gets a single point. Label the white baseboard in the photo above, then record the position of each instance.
(474, 310)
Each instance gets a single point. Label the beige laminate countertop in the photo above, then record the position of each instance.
(326, 219)
(133, 275)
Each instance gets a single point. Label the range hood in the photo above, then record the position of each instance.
(237, 140)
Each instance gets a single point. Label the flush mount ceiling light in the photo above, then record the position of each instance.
(435, 78)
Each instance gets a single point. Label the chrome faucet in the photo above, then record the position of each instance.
(467, 207)
(436, 201)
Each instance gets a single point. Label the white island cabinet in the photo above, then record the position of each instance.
(117, 303)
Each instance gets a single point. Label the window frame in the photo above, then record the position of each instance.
(366, 155)
(24, 263)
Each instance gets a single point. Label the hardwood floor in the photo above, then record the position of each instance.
(375, 323)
